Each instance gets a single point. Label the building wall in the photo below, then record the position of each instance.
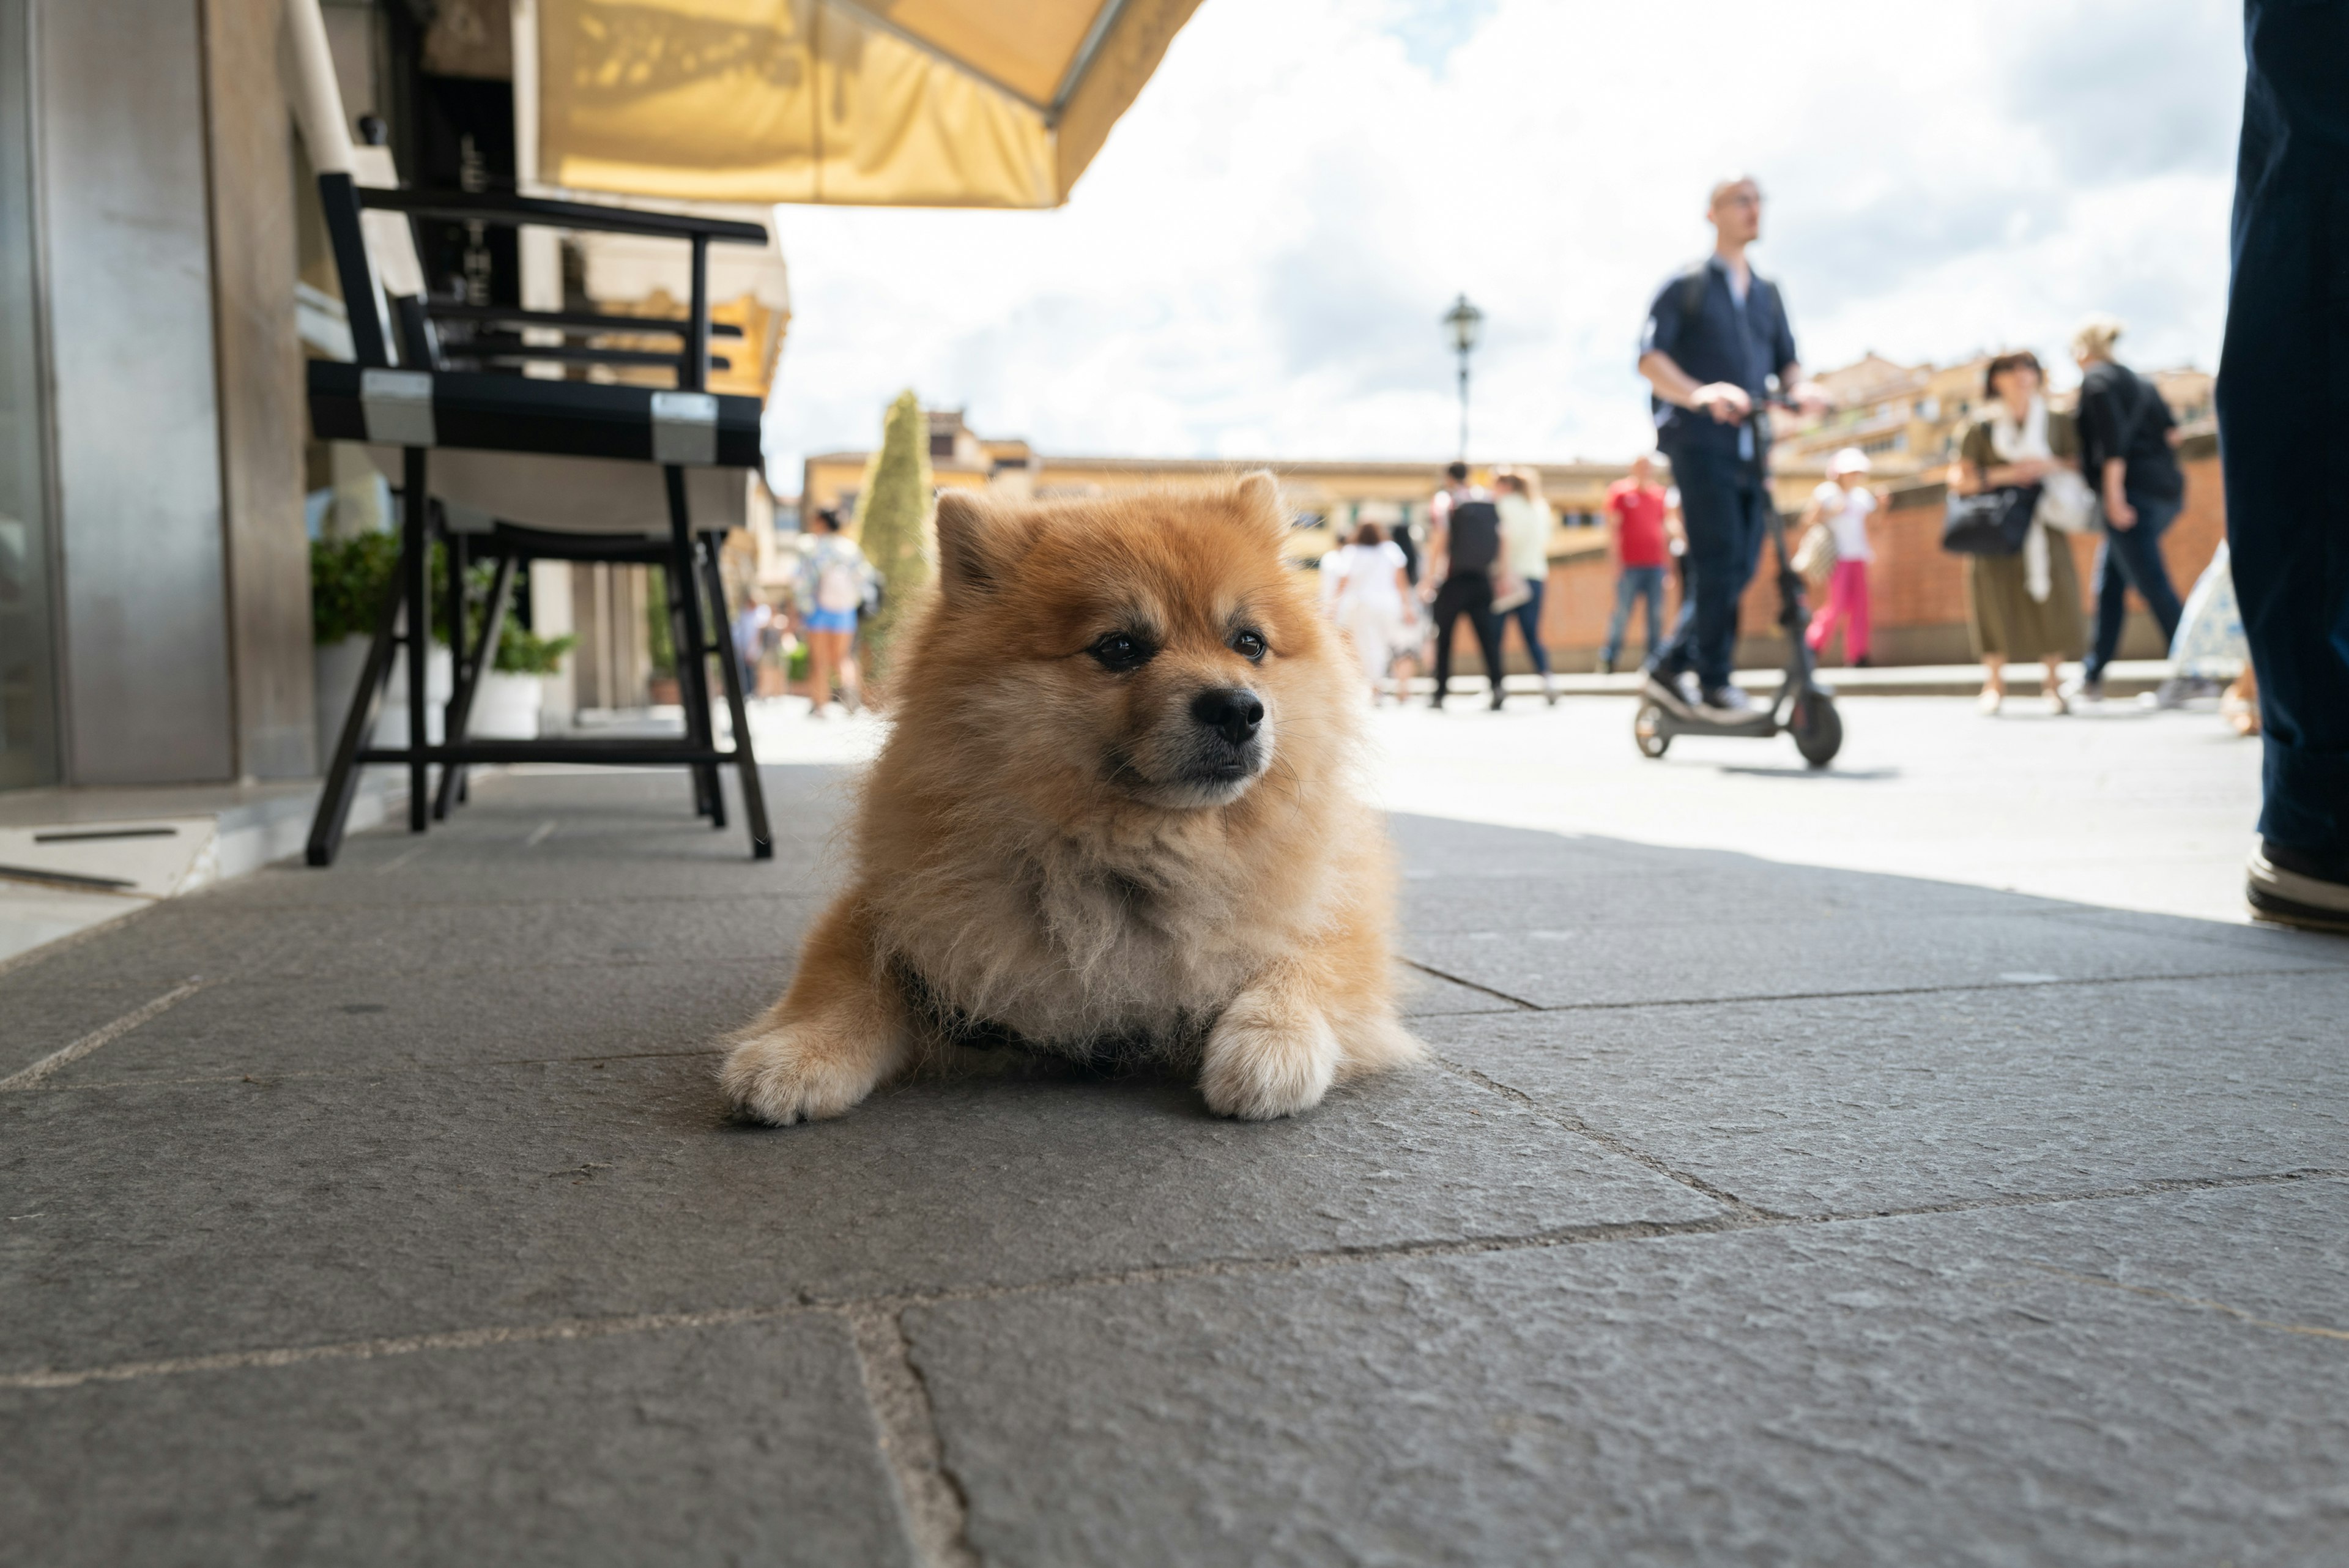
(126, 243)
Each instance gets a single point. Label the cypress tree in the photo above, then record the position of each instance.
(893, 521)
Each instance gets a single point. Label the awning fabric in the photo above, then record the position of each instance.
(901, 103)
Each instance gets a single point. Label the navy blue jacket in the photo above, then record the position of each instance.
(1721, 340)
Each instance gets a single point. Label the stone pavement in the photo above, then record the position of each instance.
(1751, 1212)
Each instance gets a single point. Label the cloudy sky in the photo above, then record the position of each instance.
(1255, 264)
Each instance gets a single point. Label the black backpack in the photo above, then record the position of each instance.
(1475, 536)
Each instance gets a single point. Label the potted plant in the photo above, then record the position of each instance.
(348, 578)
(506, 707)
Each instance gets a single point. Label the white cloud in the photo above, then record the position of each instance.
(1255, 264)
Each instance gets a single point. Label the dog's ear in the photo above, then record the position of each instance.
(1259, 501)
(970, 545)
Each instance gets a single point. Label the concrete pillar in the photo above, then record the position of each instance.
(127, 258)
(262, 413)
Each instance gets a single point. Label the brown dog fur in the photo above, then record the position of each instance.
(1056, 849)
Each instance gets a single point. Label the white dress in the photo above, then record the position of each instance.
(1358, 589)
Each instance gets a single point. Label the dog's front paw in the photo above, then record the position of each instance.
(786, 1073)
(1265, 1060)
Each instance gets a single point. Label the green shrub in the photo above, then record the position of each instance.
(348, 578)
(658, 642)
(522, 651)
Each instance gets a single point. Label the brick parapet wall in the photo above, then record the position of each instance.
(1918, 590)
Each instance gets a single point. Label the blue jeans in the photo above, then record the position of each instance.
(1528, 618)
(1644, 584)
(2131, 558)
(2283, 386)
(1723, 508)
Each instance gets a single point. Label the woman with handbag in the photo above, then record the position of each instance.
(2023, 602)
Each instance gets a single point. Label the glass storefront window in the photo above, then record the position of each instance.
(28, 740)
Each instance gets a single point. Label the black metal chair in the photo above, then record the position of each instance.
(566, 470)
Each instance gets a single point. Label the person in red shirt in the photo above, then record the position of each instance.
(1635, 512)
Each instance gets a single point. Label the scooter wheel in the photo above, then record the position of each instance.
(1648, 730)
(1817, 728)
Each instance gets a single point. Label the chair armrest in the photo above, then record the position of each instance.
(571, 320)
(496, 207)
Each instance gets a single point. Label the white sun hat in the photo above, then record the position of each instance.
(1851, 460)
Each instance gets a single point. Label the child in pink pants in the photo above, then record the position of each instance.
(1845, 504)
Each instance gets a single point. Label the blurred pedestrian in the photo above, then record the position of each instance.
(1637, 517)
(2211, 648)
(2125, 440)
(1526, 524)
(1366, 589)
(1464, 542)
(2025, 604)
(1843, 503)
(751, 624)
(836, 584)
(1716, 335)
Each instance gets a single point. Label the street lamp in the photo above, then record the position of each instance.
(1465, 321)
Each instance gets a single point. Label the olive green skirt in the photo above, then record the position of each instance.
(2008, 623)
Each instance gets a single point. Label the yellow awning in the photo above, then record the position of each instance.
(894, 103)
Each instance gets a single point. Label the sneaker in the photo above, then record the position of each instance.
(2057, 706)
(1606, 664)
(1499, 697)
(1656, 689)
(1549, 690)
(2290, 888)
(2087, 690)
(1728, 699)
(1863, 662)
(2178, 691)
(1990, 701)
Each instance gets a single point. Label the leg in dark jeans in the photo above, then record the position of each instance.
(2283, 389)
(1650, 588)
(1528, 618)
(1469, 593)
(1721, 505)
(2131, 558)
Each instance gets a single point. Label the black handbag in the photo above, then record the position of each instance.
(1993, 523)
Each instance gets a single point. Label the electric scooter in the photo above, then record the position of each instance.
(1802, 708)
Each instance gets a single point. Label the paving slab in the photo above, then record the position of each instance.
(1860, 1104)
(170, 1219)
(2131, 1381)
(369, 1024)
(725, 1444)
(1665, 890)
(1622, 966)
(426, 943)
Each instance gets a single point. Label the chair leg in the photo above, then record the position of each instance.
(472, 666)
(358, 725)
(416, 571)
(754, 798)
(703, 778)
(455, 557)
(692, 664)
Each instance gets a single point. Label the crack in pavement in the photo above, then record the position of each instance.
(897, 1302)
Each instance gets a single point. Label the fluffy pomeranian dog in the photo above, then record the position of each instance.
(1114, 822)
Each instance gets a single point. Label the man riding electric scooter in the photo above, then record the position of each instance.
(1716, 337)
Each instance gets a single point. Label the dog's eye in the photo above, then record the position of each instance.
(1249, 645)
(1122, 651)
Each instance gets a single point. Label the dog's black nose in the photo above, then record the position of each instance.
(1232, 712)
